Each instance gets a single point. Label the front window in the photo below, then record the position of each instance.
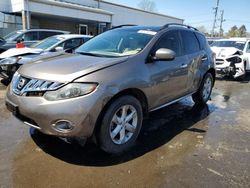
(117, 43)
(12, 36)
(47, 43)
(226, 43)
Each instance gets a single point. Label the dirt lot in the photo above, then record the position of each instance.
(180, 146)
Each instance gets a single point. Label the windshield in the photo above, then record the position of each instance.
(117, 43)
(12, 36)
(226, 43)
(47, 43)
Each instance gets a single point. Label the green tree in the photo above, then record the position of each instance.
(242, 31)
(233, 32)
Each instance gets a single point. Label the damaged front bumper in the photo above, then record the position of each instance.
(233, 67)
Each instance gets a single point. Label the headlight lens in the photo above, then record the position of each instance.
(8, 61)
(70, 91)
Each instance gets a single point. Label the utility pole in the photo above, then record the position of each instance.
(215, 16)
(221, 22)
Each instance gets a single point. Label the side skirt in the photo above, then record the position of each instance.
(172, 102)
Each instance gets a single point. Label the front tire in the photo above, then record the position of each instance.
(121, 125)
(205, 90)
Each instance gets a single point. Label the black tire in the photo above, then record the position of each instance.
(198, 97)
(105, 141)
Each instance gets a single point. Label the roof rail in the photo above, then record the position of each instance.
(124, 25)
(177, 24)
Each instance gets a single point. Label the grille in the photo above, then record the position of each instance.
(219, 61)
(24, 86)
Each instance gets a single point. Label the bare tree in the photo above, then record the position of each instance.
(147, 5)
(202, 29)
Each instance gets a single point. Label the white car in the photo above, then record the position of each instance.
(13, 58)
(232, 56)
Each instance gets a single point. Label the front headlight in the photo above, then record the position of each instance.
(70, 91)
(9, 61)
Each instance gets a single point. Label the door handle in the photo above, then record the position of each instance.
(204, 58)
(183, 66)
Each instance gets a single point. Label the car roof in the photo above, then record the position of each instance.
(54, 30)
(158, 28)
(151, 28)
(240, 39)
(69, 36)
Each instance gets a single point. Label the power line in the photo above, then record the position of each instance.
(198, 22)
(215, 16)
(221, 22)
(245, 21)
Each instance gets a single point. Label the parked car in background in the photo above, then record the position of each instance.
(232, 56)
(29, 37)
(210, 40)
(13, 58)
(105, 89)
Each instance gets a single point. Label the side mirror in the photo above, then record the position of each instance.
(70, 50)
(59, 49)
(163, 54)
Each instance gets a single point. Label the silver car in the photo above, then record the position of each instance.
(12, 59)
(30, 36)
(107, 87)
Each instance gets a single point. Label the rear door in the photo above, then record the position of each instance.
(196, 56)
(169, 78)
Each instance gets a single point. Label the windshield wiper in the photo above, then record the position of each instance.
(89, 53)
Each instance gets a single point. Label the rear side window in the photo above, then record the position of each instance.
(202, 40)
(46, 34)
(86, 39)
(170, 40)
(248, 47)
(71, 43)
(30, 36)
(190, 42)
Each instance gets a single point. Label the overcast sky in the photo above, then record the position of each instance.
(200, 12)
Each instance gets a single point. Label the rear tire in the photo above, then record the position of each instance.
(205, 90)
(121, 125)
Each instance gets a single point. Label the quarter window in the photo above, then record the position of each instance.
(203, 41)
(30, 36)
(190, 42)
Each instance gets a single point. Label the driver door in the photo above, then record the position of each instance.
(169, 78)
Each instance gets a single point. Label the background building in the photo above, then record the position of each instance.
(76, 16)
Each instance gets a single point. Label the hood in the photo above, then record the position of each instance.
(39, 56)
(19, 52)
(66, 67)
(223, 52)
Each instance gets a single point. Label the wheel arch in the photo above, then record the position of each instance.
(137, 93)
(213, 72)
